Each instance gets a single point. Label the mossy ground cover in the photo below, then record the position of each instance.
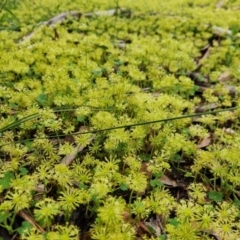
(119, 119)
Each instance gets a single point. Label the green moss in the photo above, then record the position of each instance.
(62, 85)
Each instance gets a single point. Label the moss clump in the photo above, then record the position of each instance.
(80, 152)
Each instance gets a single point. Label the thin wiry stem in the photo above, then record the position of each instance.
(118, 127)
(4, 4)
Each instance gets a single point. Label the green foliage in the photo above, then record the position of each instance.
(97, 110)
(215, 196)
(26, 226)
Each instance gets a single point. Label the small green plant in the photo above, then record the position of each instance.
(119, 115)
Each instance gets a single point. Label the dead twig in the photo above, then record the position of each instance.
(74, 14)
(70, 157)
(29, 219)
(40, 188)
(205, 55)
(2, 7)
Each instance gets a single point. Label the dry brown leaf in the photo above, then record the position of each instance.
(220, 4)
(229, 131)
(156, 94)
(144, 169)
(204, 143)
(221, 31)
(127, 218)
(154, 224)
(40, 188)
(167, 181)
(206, 108)
(224, 76)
